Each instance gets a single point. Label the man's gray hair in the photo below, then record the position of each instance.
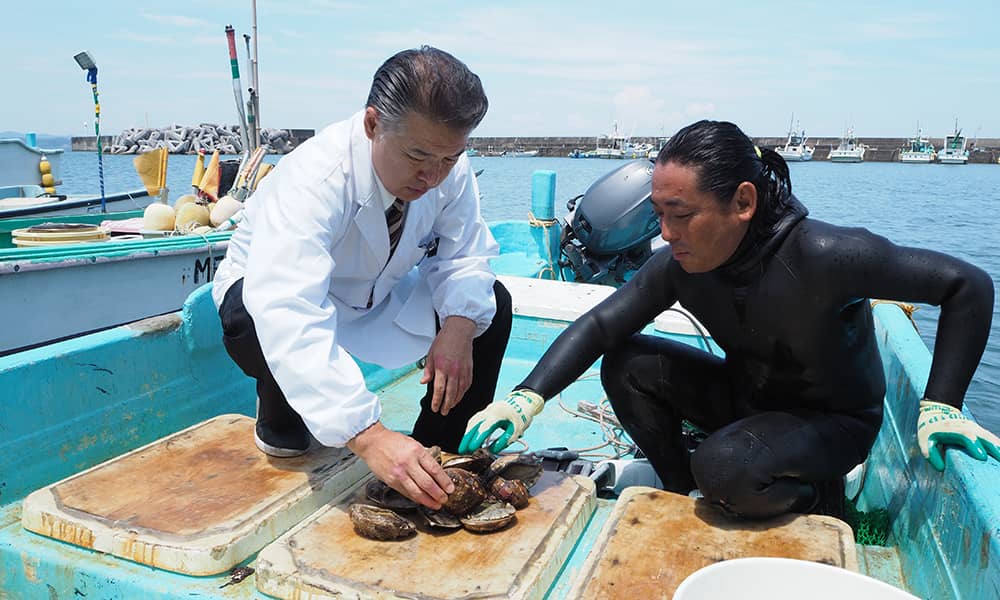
(430, 82)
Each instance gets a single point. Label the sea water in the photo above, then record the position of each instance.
(954, 209)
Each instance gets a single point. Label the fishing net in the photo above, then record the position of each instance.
(871, 527)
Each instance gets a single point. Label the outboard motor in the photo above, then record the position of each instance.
(609, 231)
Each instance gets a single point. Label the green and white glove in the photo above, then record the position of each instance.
(512, 414)
(940, 425)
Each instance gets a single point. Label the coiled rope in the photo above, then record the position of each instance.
(545, 224)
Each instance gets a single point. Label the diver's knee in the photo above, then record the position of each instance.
(730, 469)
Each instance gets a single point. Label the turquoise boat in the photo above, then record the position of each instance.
(127, 471)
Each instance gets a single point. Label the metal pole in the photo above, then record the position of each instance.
(238, 89)
(256, 80)
(87, 63)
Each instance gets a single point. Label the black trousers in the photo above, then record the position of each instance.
(239, 335)
(754, 463)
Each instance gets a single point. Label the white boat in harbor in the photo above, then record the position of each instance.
(21, 163)
(617, 146)
(795, 148)
(954, 151)
(850, 150)
(519, 153)
(918, 150)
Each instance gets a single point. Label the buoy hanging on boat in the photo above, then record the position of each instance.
(48, 179)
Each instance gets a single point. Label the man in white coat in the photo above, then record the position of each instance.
(367, 242)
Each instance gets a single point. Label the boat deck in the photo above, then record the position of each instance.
(161, 395)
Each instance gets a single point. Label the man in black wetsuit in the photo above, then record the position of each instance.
(797, 400)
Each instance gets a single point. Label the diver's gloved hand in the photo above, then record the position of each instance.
(512, 414)
(940, 425)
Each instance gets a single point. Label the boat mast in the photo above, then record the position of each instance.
(253, 68)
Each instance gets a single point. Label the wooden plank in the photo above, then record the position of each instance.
(198, 502)
(325, 558)
(654, 539)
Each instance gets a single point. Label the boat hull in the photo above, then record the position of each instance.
(916, 158)
(95, 286)
(796, 156)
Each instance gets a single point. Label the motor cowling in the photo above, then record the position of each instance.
(609, 231)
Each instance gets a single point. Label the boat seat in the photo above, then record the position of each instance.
(654, 539)
(325, 558)
(197, 502)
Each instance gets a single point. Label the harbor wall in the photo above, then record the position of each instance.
(881, 149)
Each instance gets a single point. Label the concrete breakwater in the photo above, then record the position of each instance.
(179, 139)
(881, 149)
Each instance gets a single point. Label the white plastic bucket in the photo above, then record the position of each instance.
(782, 579)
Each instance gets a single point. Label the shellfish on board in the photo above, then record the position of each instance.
(468, 494)
(377, 523)
(490, 516)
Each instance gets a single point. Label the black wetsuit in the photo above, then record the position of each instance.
(797, 400)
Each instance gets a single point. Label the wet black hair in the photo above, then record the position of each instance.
(430, 82)
(724, 157)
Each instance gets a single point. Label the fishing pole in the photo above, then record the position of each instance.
(86, 62)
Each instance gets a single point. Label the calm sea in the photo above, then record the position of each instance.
(952, 209)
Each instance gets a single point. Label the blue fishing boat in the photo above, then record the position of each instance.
(129, 471)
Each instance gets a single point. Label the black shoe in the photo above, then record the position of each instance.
(281, 444)
(830, 499)
(280, 433)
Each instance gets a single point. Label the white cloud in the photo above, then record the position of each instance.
(177, 20)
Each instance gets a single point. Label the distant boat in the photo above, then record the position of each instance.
(849, 150)
(520, 152)
(954, 151)
(795, 148)
(617, 146)
(918, 150)
(471, 152)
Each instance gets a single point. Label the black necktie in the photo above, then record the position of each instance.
(394, 221)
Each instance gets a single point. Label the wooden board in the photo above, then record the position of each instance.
(654, 539)
(198, 502)
(325, 558)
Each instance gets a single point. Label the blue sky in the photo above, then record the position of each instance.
(549, 68)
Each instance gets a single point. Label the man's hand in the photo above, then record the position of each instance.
(512, 414)
(940, 425)
(449, 363)
(402, 463)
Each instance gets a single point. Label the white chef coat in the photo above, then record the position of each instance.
(312, 249)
